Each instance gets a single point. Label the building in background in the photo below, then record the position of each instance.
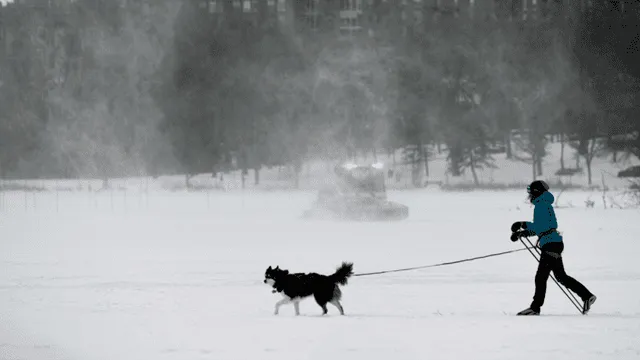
(347, 19)
(352, 18)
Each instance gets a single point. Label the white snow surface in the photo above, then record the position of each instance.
(178, 276)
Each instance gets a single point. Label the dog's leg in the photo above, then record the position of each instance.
(284, 301)
(322, 302)
(324, 309)
(337, 304)
(296, 305)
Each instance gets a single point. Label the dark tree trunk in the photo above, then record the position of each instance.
(426, 162)
(455, 155)
(472, 166)
(539, 165)
(538, 150)
(588, 163)
(615, 150)
(415, 167)
(562, 151)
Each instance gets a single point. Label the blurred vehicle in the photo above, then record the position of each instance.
(358, 192)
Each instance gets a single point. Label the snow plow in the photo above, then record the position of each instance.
(358, 193)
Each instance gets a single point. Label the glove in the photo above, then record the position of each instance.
(518, 225)
(517, 235)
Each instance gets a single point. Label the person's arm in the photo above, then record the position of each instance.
(543, 220)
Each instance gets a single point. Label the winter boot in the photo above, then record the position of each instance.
(587, 304)
(529, 311)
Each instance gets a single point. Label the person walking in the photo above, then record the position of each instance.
(550, 242)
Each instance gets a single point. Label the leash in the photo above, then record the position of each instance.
(441, 264)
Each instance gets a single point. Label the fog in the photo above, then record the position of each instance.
(115, 89)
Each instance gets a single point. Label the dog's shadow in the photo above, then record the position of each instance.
(366, 316)
(337, 316)
(312, 316)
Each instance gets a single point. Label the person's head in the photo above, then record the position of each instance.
(536, 189)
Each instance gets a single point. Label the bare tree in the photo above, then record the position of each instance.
(538, 71)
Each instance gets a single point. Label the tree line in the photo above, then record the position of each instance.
(96, 89)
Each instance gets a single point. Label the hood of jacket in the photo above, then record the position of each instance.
(546, 197)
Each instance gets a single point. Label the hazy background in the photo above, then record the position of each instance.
(102, 89)
(95, 90)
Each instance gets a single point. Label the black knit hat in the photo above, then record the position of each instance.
(536, 189)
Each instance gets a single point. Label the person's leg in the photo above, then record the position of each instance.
(569, 282)
(542, 275)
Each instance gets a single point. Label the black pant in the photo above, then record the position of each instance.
(551, 260)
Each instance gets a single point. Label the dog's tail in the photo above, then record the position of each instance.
(342, 274)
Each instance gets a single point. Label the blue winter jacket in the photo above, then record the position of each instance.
(544, 219)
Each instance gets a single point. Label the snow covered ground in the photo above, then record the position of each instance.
(178, 276)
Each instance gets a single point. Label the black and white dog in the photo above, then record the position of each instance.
(296, 287)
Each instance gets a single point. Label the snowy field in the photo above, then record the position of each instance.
(178, 276)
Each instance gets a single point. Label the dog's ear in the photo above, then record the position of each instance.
(269, 268)
(277, 267)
